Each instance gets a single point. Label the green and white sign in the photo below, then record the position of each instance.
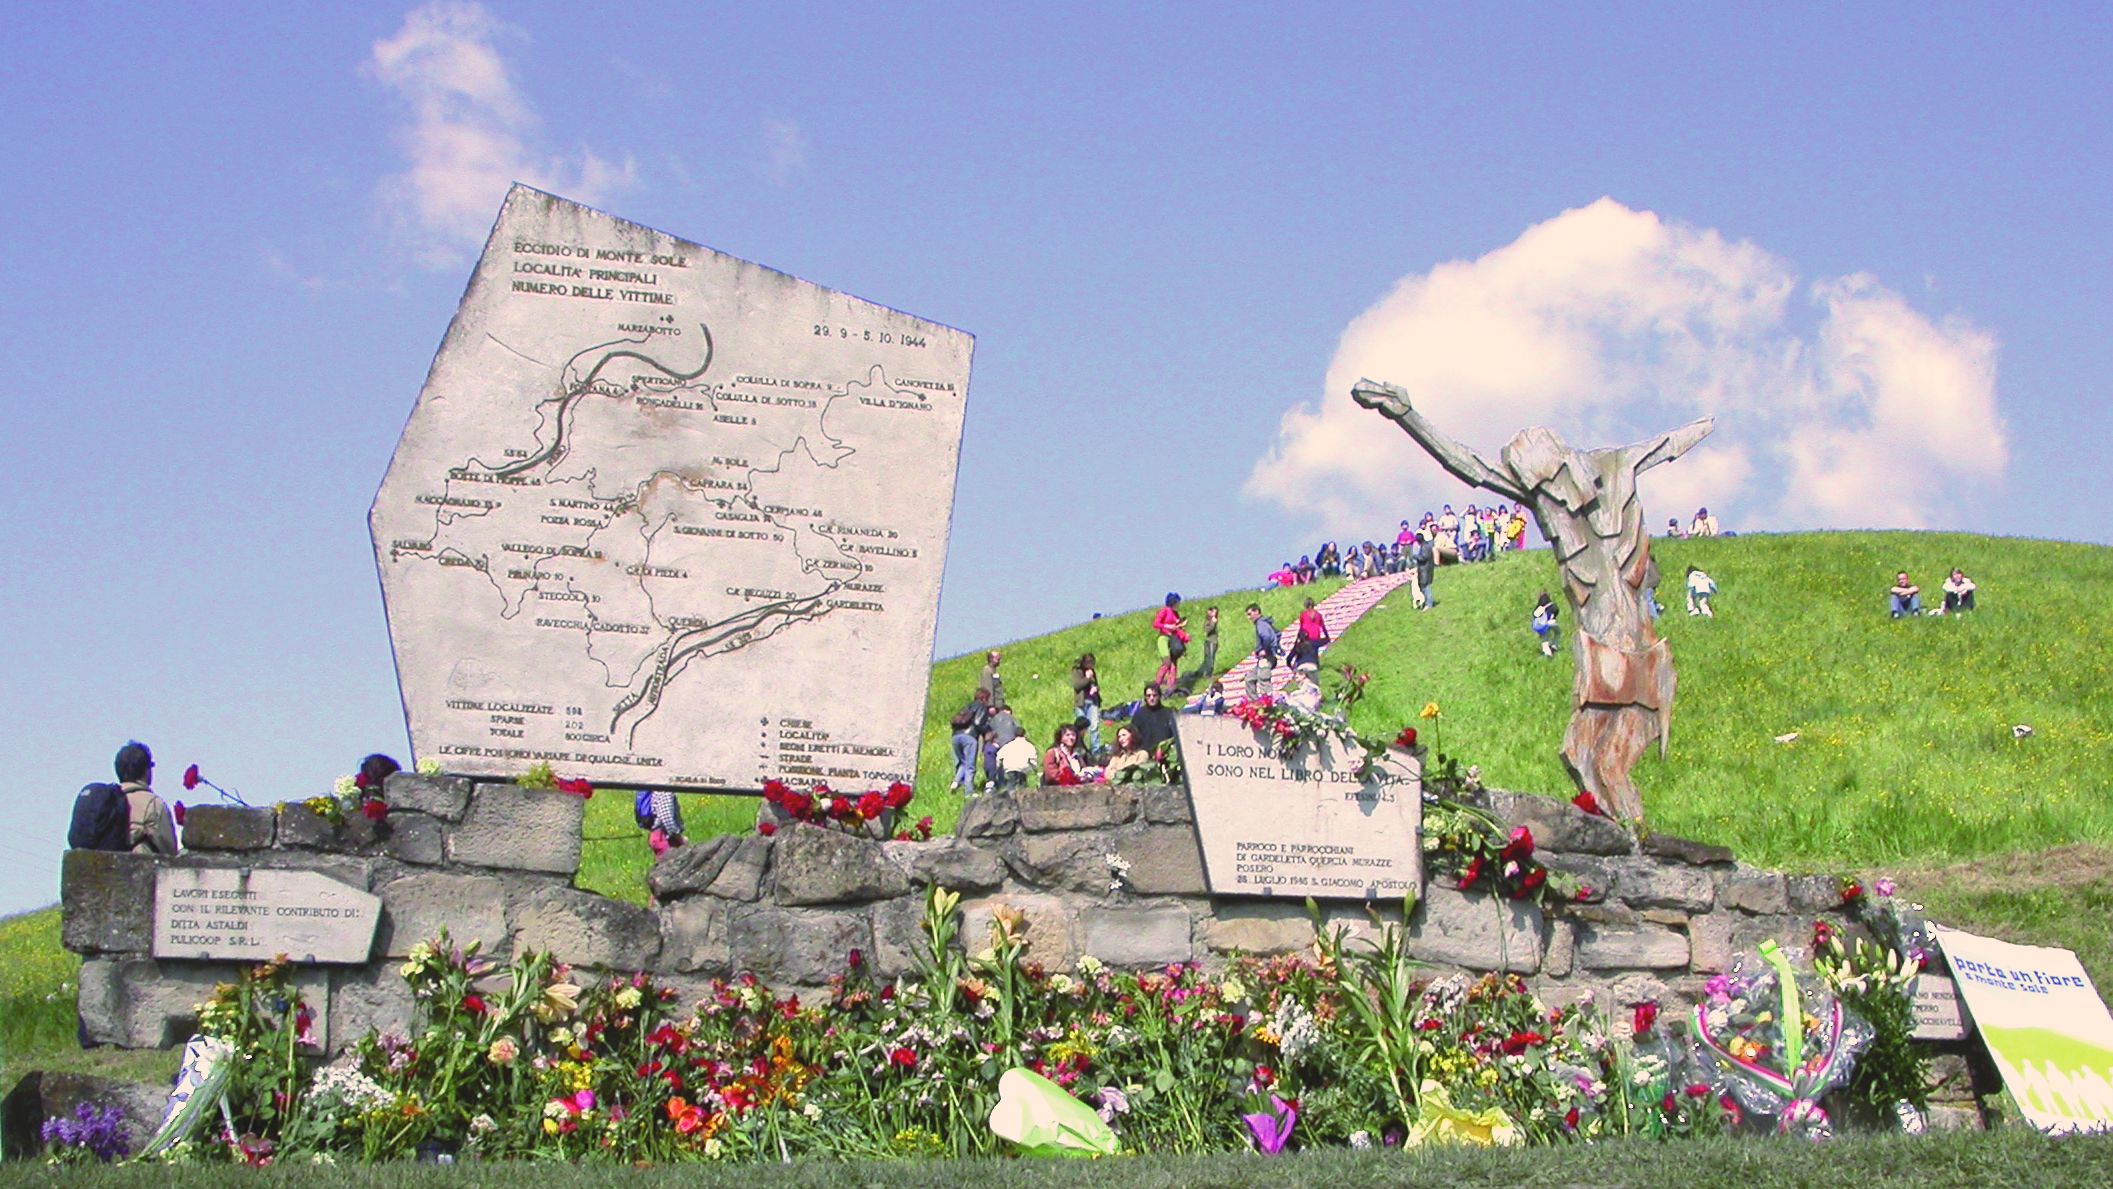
(2043, 1023)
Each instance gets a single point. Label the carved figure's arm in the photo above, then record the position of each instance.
(1464, 463)
(1668, 446)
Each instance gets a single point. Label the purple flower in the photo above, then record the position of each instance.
(1884, 886)
(98, 1131)
(1272, 1129)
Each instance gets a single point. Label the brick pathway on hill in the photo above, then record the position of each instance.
(1339, 611)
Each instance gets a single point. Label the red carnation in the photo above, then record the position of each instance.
(375, 809)
(1407, 739)
(855, 959)
(1669, 1104)
(774, 791)
(1473, 873)
(191, 778)
(361, 782)
(1589, 803)
(1534, 879)
(1265, 1076)
(1646, 1015)
(1698, 1091)
(1570, 1119)
(870, 806)
(1519, 1042)
(1852, 892)
(178, 811)
(576, 786)
(903, 1057)
(1521, 844)
(898, 795)
(473, 1004)
(766, 828)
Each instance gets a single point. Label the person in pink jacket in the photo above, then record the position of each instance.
(1173, 633)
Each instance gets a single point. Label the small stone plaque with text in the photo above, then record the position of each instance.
(1304, 827)
(1938, 1014)
(256, 914)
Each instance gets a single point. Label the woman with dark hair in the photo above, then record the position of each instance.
(1313, 636)
(1544, 616)
(1061, 765)
(1173, 633)
(1086, 697)
(1329, 560)
(374, 772)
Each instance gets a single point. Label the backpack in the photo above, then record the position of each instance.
(642, 809)
(101, 819)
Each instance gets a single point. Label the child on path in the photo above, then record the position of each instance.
(1544, 617)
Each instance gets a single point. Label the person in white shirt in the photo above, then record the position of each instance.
(1958, 593)
(1705, 525)
(1302, 693)
(1700, 588)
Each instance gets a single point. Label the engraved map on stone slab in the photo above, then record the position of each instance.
(666, 517)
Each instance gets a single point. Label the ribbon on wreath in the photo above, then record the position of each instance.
(1800, 1088)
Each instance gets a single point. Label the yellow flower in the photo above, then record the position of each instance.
(1430, 710)
(1439, 1121)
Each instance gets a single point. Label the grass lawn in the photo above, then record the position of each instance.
(2012, 1157)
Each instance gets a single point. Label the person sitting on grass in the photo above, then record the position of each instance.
(1130, 763)
(1544, 625)
(1283, 575)
(1304, 569)
(1672, 529)
(1354, 565)
(1154, 721)
(1958, 593)
(1906, 597)
(1700, 589)
(1329, 560)
(1060, 764)
(1213, 699)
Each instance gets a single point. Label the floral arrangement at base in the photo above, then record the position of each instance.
(1779, 1041)
(1874, 976)
(350, 797)
(856, 813)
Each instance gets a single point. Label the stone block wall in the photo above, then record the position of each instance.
(1112, 872)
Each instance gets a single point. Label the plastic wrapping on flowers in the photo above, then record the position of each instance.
(1778, 1041)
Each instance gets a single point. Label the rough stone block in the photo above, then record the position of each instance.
(950, 863)
(302, 828)
(445, 797)
(790, 945)
(1050, 940)
(898, 937)
(1084, 807)
(1952, 1117)
(1710, 940)
(991, 816)
(1562, 950)
(417, 907)
(139, 1003)
(1788, 931)
(42, 1095)
(822, 866)
(1685, 850)
(689, 870)
(1814, 893)
(586, 930)
(697, 936)
(1246, 928)
(1164, 861)
(746, 866)
(1648, 883)
(413, 838)
(1133, 937)
(1749, 890)
(227, 827)
(1165, 805)
(368, 999)
(1074, 862)
(1560, 826)
(519, 829)
(1476, 931)
(108, 901)
(1648, 948)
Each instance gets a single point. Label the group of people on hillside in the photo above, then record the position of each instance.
(1445, 536)
(1703, 525)
(1905, 598)
(987, 731)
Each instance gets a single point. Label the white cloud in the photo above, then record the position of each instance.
(786, 148)
(469, 132)
(1610, 324)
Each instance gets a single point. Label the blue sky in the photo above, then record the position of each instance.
(1873, 241)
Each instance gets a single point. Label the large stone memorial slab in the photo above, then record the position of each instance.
(255, 914)
(1304, 827)
(666, 517)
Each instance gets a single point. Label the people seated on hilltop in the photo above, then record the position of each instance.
(1002, 730)
(1905, 598)
(1154, 721)
(1354, 565)
(1958, 593)
(1212, 701)
(149, 826)
(1304, 569)
(1406, 535)
(1704, 524)
(1328, 560)
(1171, 635)
(1283, 575)
(1449, 528)
(1130, 762)
(1673, 531)
(1061, 765)
(1473, 545)
(1701, 588)
(1544, 625)
(1516, 528)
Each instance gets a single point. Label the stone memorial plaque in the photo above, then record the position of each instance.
(1938, 1012)
(664, 517)
(257, 913)
(1307, 827)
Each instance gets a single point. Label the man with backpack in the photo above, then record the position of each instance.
(126, 816)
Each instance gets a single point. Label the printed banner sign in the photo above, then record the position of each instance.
(2043, 1023)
